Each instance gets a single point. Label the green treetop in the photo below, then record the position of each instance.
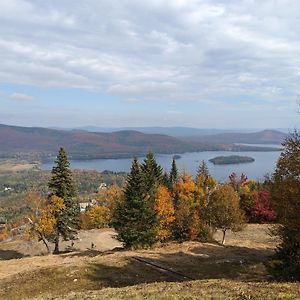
(173, 173)
(203, 170)
(152, 175)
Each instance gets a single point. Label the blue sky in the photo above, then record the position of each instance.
(197, 63)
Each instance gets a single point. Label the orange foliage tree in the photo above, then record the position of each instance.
(164, 209)
(110, 197)
(187, 220)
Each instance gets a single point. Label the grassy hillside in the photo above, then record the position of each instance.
(190, 270)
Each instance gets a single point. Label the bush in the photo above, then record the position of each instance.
(262, 211)
(286, 197)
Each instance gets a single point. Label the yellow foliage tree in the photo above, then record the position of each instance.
(43, 216)
(224, 210)
(110, 197)
(164, 209)
(204, 187)
(98, 217)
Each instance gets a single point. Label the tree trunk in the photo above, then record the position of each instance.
(56, 245)
(46, 243)
(223, 239)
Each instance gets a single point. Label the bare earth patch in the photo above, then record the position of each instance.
(16, 166)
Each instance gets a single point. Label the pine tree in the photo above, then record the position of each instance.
(151, 171)
(61, 185)
(173, 174)
(166, 180)
(203, 170)
(285, 193)
(134, 218)
(152, 176)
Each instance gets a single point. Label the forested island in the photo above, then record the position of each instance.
(232, 159)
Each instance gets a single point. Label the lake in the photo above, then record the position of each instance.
(264, 163)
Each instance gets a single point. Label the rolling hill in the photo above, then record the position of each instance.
(83, 144)
(43, 143)
(261, 137)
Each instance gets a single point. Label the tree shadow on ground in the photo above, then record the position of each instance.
(92, 252)
(203, 262)
(10, 254)
(86, 253)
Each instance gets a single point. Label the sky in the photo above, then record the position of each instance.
(195, 63)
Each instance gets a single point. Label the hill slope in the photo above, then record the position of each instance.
(43, 143)
(83, 144)
(202, 271)
(261, 137)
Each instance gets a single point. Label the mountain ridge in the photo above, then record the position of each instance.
(43, 143)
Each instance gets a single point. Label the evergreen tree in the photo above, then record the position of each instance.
(173, 174)
(166, 181)
(285, 193)
(61, 185)
(134, 218)
(151, 170)
(152, 176)
(203, 170)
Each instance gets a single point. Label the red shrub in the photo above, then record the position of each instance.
(262, 210)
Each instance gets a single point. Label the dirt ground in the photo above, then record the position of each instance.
(234, 269)
(104, 240)
(97, 239)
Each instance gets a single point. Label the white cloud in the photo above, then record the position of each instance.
(170, 49)
(20, 97)
(143, 89)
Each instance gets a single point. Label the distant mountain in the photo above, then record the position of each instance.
(261, 137)
(43, 143)
(83, 144)
(172, 131)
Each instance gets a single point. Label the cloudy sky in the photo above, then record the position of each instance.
(199, 63)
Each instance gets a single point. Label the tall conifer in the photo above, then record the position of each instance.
(152, 173)
(203, 170)
(173, 173)
(166, 180)
(62, 185)
(286, 198)
(134, 218)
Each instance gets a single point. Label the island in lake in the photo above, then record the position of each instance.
(232, 159)
(176, 156)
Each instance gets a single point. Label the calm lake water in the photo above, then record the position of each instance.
(264, 163)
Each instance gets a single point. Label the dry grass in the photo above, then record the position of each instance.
(199, 289)
(235, 271)
(16, 166)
